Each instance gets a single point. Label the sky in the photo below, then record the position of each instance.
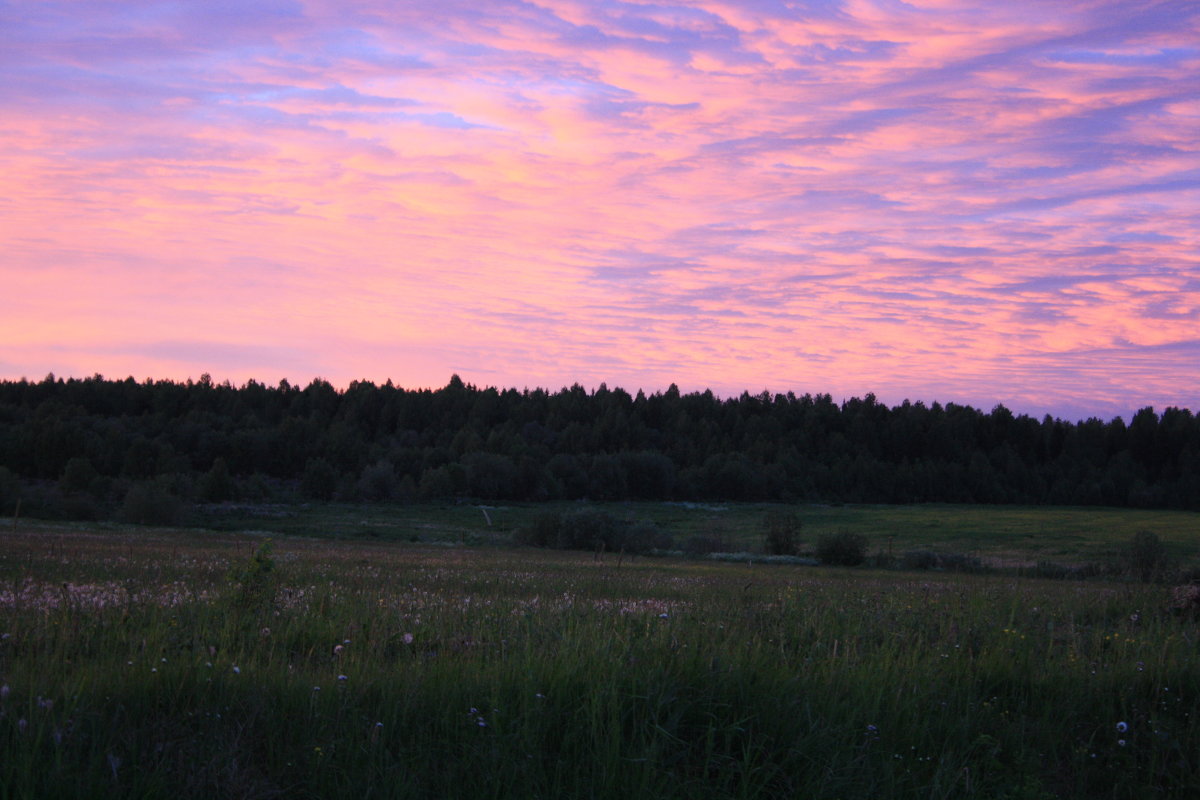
(973, 202)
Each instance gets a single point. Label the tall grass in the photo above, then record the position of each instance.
(139, 665)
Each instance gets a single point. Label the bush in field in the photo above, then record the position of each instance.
(152, 503)
(592, 530)
(542, 532)
(641, 537)
(1146, 556)
(586, 530)
(843, 549)
(781, 533)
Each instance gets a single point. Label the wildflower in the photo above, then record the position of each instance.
(4, 690)
(872, 729)
(1122, 727)
(1121, 742)
(337, 649)
(237, 670)
(407, 638)
(342, 678)
(663, 615)
(22, 724)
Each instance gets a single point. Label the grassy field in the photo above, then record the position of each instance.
(1022, 534)
(147, 663)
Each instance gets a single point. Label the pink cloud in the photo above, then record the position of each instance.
(984, 203)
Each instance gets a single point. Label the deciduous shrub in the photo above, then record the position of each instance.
(542, 531)
(591, 529)
(152, 503)
(641, 537)
(843, 549)
(781, 533)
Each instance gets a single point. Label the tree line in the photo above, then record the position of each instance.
(95, 447)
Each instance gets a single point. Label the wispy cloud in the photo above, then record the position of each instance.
(962, 201)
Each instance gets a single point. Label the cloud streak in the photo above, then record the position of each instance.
(955, 201)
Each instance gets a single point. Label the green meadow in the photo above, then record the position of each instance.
(1016, 534)
(416, 652)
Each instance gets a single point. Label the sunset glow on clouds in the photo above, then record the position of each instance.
(970, 202)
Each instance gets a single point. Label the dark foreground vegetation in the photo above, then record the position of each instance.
(148, 663)
(149, 452)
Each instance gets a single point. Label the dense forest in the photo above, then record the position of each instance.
(96, 448)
